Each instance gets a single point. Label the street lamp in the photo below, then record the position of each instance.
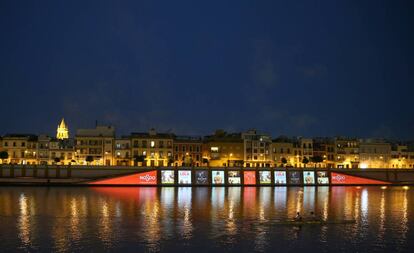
(228, 160)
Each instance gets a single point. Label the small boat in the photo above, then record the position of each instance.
(312, 222)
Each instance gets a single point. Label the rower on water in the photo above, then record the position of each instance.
(298, 217)
(313, 216)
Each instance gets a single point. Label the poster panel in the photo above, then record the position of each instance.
(184, 177)
(201, 177)
(233, 177)
(294, 177)
(322, 177)
(167, 177)
(217, 177)
(265, 177)
(308, 177)
(280, 177)
(249, 177)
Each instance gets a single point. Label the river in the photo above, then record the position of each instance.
(204, 219)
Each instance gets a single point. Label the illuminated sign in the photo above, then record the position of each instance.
(308, 177)
(233, 177)
(148, 178)
(167, 177)
(265, 177)
(339, 178)
(217, 177)
(294, 177)
(201, 177)
(322, 177)
(144, 178)
(184, 177)
(249, 177)
(280, 177)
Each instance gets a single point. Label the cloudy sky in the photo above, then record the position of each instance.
(309, 68)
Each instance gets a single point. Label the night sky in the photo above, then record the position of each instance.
(308, 68)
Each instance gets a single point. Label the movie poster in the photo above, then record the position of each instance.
(233, 177)
(265, 177)
(201, 177)
(249, 177)
(217, 177)
(294, 177)
(184, 177)
(322, 177)
(280, 177)
(167, 177)
(308, 177)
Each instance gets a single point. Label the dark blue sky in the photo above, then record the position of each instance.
(310, 68)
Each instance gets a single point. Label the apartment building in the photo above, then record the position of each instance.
(256, 148)
(95, 146)
(188, 151)
(155, 149)
(223, 149)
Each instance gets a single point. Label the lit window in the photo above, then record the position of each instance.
(214, 149)
(152, 144)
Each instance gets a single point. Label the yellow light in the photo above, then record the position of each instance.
(364, 165)
(406, 187)
(358, 187)
(383, 187)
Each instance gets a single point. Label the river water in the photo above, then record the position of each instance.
(218, 219)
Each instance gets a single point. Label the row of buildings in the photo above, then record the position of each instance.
(101, 146)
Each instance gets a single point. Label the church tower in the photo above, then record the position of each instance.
(62, 131)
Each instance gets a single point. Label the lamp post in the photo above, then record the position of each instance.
(229, 159)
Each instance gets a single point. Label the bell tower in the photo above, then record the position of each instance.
(62, 131)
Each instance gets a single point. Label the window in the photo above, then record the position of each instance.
(214, 149)
(23, 144)
(183, 148)
(152, 144)
(176, 148)
(6, 144)
(144, 144)
(144, 153)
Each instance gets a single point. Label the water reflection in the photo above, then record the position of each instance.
(152, 219)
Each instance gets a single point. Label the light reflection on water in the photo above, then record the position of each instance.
(206, 219)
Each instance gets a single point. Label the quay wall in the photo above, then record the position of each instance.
(224, 176)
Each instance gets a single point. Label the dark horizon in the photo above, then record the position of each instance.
(297, 69)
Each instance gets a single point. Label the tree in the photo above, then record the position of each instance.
(57, 159)
(139, 159)
(170, 161)
(89, 159)
(4, 155)
(316, 159)
(284, 161)
(305, 161)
